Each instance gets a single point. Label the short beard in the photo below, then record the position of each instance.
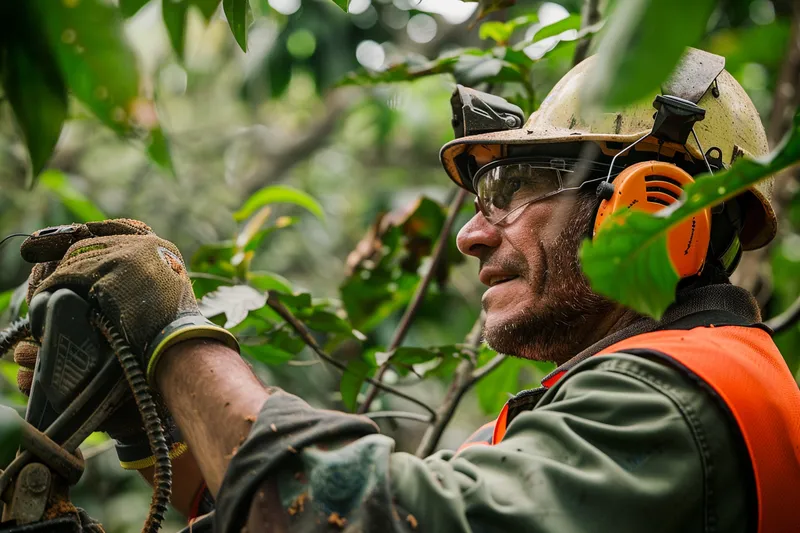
(560, 330)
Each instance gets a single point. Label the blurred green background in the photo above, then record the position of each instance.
(237, 122)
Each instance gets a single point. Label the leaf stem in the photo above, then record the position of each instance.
(419, 295)
(305, 334)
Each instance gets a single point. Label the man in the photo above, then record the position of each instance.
(645, 425)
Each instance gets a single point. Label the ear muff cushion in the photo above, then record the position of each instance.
(650, 186)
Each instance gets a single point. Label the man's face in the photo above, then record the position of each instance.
(538, 304)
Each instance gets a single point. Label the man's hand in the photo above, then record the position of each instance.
(137, 280)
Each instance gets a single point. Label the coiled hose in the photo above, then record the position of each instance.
(162, 477)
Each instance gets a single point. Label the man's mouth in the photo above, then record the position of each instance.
(497, 281)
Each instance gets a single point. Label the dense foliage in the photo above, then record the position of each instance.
(265, 139)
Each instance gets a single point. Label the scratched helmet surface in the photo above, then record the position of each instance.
(731, 124)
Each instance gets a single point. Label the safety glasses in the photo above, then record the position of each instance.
(506, 186)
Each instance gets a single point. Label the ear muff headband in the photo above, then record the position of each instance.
(650, 186)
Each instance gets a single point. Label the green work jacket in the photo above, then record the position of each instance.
(622, 443)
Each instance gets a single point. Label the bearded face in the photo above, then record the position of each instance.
(538, 304)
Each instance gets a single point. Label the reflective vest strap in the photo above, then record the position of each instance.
(500, 425)
(745, 369)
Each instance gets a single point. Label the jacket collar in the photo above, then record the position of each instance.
(720, 298)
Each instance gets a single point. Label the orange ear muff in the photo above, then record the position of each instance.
(650, 186)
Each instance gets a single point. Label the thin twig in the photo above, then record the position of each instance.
(785, 320)
(465, 377)
(481, 372)
(417, 417)
(419, 295)
(305, 334)
(311, 362)
(590, 15)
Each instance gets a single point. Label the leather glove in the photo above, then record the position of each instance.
(140, 285)
(137, 280)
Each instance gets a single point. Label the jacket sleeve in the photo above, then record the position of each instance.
(622, 443)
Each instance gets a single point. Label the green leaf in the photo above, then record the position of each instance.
(206, 7)
(130, 7)
(499, 32)
(352, 381)
(275, 194)
(269, 281)
(295, 302)
(95, 59)
(174, 15)
(78, 205)
(327, 321)
(643, 42)
(495, 389)
(235, 301)
(629, 262)
(267, 354)
(159, 151)
(236, 13)
(342, 4)
(10, 434)
(35, 88)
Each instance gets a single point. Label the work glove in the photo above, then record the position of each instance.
(139, 283)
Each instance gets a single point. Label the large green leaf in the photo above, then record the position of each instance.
(10, 434)
(641, 45)
(174, 15)
(96, 61)
(236, 13)
(628, 261)
(343, 4)
(267, 353)
(275, 194)
(35, 88)
(78, 205)
(99, 67)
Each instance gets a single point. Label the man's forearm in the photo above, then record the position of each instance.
(214, 397)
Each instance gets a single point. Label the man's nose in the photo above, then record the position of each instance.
(478, 236)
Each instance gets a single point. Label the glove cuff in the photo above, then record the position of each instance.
(131, 456)
(182, 329)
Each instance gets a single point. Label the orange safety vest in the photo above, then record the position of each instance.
(744, 368)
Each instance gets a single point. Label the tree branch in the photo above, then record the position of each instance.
(590, 14)
(785, 320)
(465, 377)
(399, 414)
(305, 334)
(419, 295)
(280, 162)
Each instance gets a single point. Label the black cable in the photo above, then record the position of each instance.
(7, 237)
(162, 477)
